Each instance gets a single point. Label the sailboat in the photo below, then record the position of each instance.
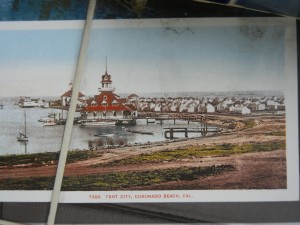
(23, 137)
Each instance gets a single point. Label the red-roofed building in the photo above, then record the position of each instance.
(66, 98)
(107, 104)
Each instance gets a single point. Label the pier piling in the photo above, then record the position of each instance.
(169, 132)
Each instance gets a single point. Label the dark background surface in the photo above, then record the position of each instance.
(20, 10)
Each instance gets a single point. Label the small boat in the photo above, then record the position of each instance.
(23, 137)
(61, 121)
(28, 102)
(64, 121)
(49, 123)
(104, 135)
(95, 123)
(51, 116)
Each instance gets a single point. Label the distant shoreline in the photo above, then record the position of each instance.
(175, 94)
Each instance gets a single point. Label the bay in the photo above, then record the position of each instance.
(49, 138)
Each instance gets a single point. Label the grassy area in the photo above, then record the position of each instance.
(35, 159)
(38, 159)
(115, 181)
(201, 151)
(77, 155)
(276, 133)
(31, 183)
(249, 124)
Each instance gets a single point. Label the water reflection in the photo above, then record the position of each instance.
(107, 141)
(24, 144)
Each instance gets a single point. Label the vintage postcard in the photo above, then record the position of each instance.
(170, 110)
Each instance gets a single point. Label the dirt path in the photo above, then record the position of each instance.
(264, 170)
(253, 170)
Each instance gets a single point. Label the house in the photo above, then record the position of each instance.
(184, 105)
(245, 110)
(175, 106)
(260, 106)
(152, 106)
(133, 97)
(221, 107)
(210, 108)
(241, 110)
(143, 106)
(66, 97)
(158, 107)
(202, 107)
(191, 108)
(231, 108)
(252, 106)
(281, 107)
(272, 105)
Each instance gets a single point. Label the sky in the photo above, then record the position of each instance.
(141, 59)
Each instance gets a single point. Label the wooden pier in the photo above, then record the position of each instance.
(150, 120)
(160, 119)
(169, 131)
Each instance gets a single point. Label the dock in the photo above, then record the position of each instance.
(169, 131)
(150, 120)
(161, 118)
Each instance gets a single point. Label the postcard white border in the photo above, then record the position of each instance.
(289, 194)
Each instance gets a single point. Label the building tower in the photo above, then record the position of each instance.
(106, 82)
(108, 105)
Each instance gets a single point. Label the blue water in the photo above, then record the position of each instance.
(41, 138)
(48, 139)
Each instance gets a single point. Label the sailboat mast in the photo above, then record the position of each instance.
(25, 122)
